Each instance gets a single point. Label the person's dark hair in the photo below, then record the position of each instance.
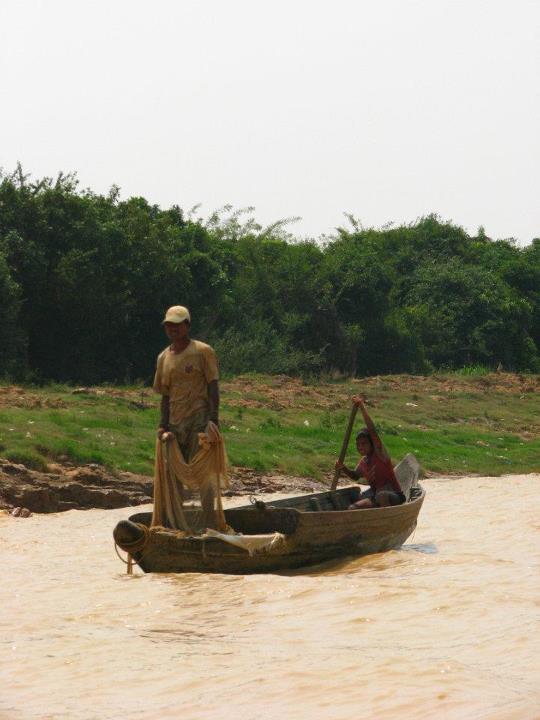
(364, 432)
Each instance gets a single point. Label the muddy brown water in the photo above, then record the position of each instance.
(446, 627)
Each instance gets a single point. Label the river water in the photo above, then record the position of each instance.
(447, 627)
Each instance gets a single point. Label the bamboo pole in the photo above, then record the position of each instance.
(345, 445)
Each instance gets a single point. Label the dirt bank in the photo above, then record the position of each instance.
(68, 487)
(279, 392)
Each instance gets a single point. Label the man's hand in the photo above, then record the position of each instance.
(340, 465)
(164, 435)
(358, 401)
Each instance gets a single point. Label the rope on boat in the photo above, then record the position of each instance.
(135, 546)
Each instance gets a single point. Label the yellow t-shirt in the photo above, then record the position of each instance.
(184, 377)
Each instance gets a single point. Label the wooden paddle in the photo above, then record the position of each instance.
(345, 445)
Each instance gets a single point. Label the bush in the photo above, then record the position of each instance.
(260, 348)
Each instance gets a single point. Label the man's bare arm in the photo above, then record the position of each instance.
(164, 414)
(353, 474)
(357, 400)
(376, 440)
(213, 397)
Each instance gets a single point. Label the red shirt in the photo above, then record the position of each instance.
(385, 478)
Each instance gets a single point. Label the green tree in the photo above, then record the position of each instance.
(12, 359)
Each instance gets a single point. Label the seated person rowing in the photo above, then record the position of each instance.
(375, 466)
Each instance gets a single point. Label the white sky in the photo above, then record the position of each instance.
(388, 109)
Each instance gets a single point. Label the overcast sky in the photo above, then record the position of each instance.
(387, 109)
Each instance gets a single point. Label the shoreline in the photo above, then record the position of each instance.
(83, 487)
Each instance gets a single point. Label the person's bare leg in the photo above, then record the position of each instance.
(361, 504)
(207, 506)
(382, 499)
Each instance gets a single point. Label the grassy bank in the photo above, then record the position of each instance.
(485, 424)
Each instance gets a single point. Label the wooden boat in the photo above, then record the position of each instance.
(306, 530)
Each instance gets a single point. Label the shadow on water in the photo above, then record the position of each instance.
(337, 565)
(426, 548)
(334, 566)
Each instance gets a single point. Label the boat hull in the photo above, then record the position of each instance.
(315, 529)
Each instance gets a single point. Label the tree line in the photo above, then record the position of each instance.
(85, 279)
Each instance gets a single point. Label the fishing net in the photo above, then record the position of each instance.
(205, 474)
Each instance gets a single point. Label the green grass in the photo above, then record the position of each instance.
(455, 423)
(88, 429)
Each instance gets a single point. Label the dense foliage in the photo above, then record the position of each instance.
(85, 278)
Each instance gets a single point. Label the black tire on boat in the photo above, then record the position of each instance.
(126, 533)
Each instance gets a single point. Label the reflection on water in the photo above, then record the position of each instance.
(446, 627)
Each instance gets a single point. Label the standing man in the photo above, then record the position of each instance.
(187, 379)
